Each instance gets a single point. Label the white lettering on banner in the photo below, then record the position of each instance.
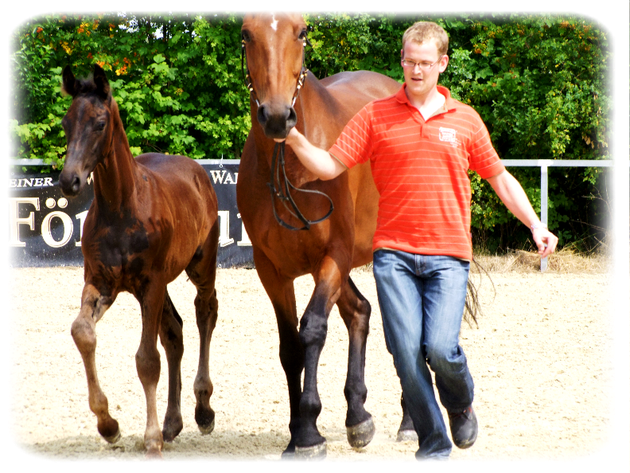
(46, 227)
(224, 228)
(223, 177)
(31, 182)
(15, 221)
(68, 228)
(81, 216)
(18, 204)
(245, 241)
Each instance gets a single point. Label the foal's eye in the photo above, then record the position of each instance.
(245, 36)
(303, 35)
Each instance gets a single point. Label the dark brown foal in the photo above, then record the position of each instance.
(151, 218)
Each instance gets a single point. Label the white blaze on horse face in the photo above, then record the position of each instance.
(274, 23)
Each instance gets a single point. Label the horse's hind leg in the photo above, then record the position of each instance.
(406, 430)
(93, 306)
(355, 311)
(172, 341)
(202, 272)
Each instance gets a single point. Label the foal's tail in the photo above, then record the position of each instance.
(473, 306)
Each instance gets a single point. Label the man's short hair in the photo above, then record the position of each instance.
(422, 31)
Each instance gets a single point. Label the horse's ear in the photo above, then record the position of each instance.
(101, 82)
(69, 82)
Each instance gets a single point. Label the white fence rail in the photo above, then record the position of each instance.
(544, 164)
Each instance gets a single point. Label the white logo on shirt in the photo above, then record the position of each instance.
(449, 135)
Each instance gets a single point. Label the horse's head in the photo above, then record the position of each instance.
(88, 128)
(273, 46)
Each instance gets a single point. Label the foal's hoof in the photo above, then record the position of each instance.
(206, 429)
(109, 430)
(205, 420)
(361, 434)
(154, 454)
(316, 452)
(113, 438)
(406, 435)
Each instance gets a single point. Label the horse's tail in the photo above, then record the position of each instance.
(473, 306)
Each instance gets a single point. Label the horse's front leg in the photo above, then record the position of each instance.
(93, 306)
(313, 331)
(282, 295)
(148, 363)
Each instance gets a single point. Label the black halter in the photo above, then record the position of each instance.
(282, 192)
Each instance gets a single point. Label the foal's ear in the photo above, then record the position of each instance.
(100, 80)
(70, 85)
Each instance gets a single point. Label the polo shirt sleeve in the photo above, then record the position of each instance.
(483, 158)
(354, 145)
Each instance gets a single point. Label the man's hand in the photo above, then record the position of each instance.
(545, 241)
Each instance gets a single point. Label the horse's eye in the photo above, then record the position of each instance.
(99, 126)
(303, 35)
(245, 36)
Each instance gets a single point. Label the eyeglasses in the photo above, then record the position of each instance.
(424, 66)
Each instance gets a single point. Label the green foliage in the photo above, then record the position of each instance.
(174, 78)
(538, 82)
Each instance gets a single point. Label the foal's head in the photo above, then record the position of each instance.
(274, 51)
(88, 128)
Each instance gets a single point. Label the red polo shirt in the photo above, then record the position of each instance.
(420, 170)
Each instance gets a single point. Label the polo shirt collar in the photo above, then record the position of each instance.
(401, 97)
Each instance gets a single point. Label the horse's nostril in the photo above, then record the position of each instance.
(70, 184)
(76, 184)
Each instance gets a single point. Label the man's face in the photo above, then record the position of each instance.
(422, 79)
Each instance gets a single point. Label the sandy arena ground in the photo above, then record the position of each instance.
(540, 359)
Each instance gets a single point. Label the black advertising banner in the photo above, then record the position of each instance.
(45, 227)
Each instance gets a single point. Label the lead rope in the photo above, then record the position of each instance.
(283, 193)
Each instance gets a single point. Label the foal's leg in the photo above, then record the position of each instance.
(93, 306)
(148, 362)
(202, 272)
(172, 340)
(355, 311)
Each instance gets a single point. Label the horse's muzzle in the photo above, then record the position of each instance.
(276, 121)
(70, 183)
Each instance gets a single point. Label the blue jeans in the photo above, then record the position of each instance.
(422, 302)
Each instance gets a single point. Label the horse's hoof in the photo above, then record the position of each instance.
(206, 429)
(109, 430)
(287, 457)
(113, 438)
(361, 434)
(406, 435)
(205, 420)
(154, 454)
(316, 452)
(172, 429)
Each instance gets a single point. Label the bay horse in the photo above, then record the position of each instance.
(284, 95)
(152, 217)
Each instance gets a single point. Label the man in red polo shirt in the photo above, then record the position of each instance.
(420, 143)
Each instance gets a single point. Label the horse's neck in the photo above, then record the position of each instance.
(115, 176)
(318, 109)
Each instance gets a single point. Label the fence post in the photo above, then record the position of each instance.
(544, 185)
